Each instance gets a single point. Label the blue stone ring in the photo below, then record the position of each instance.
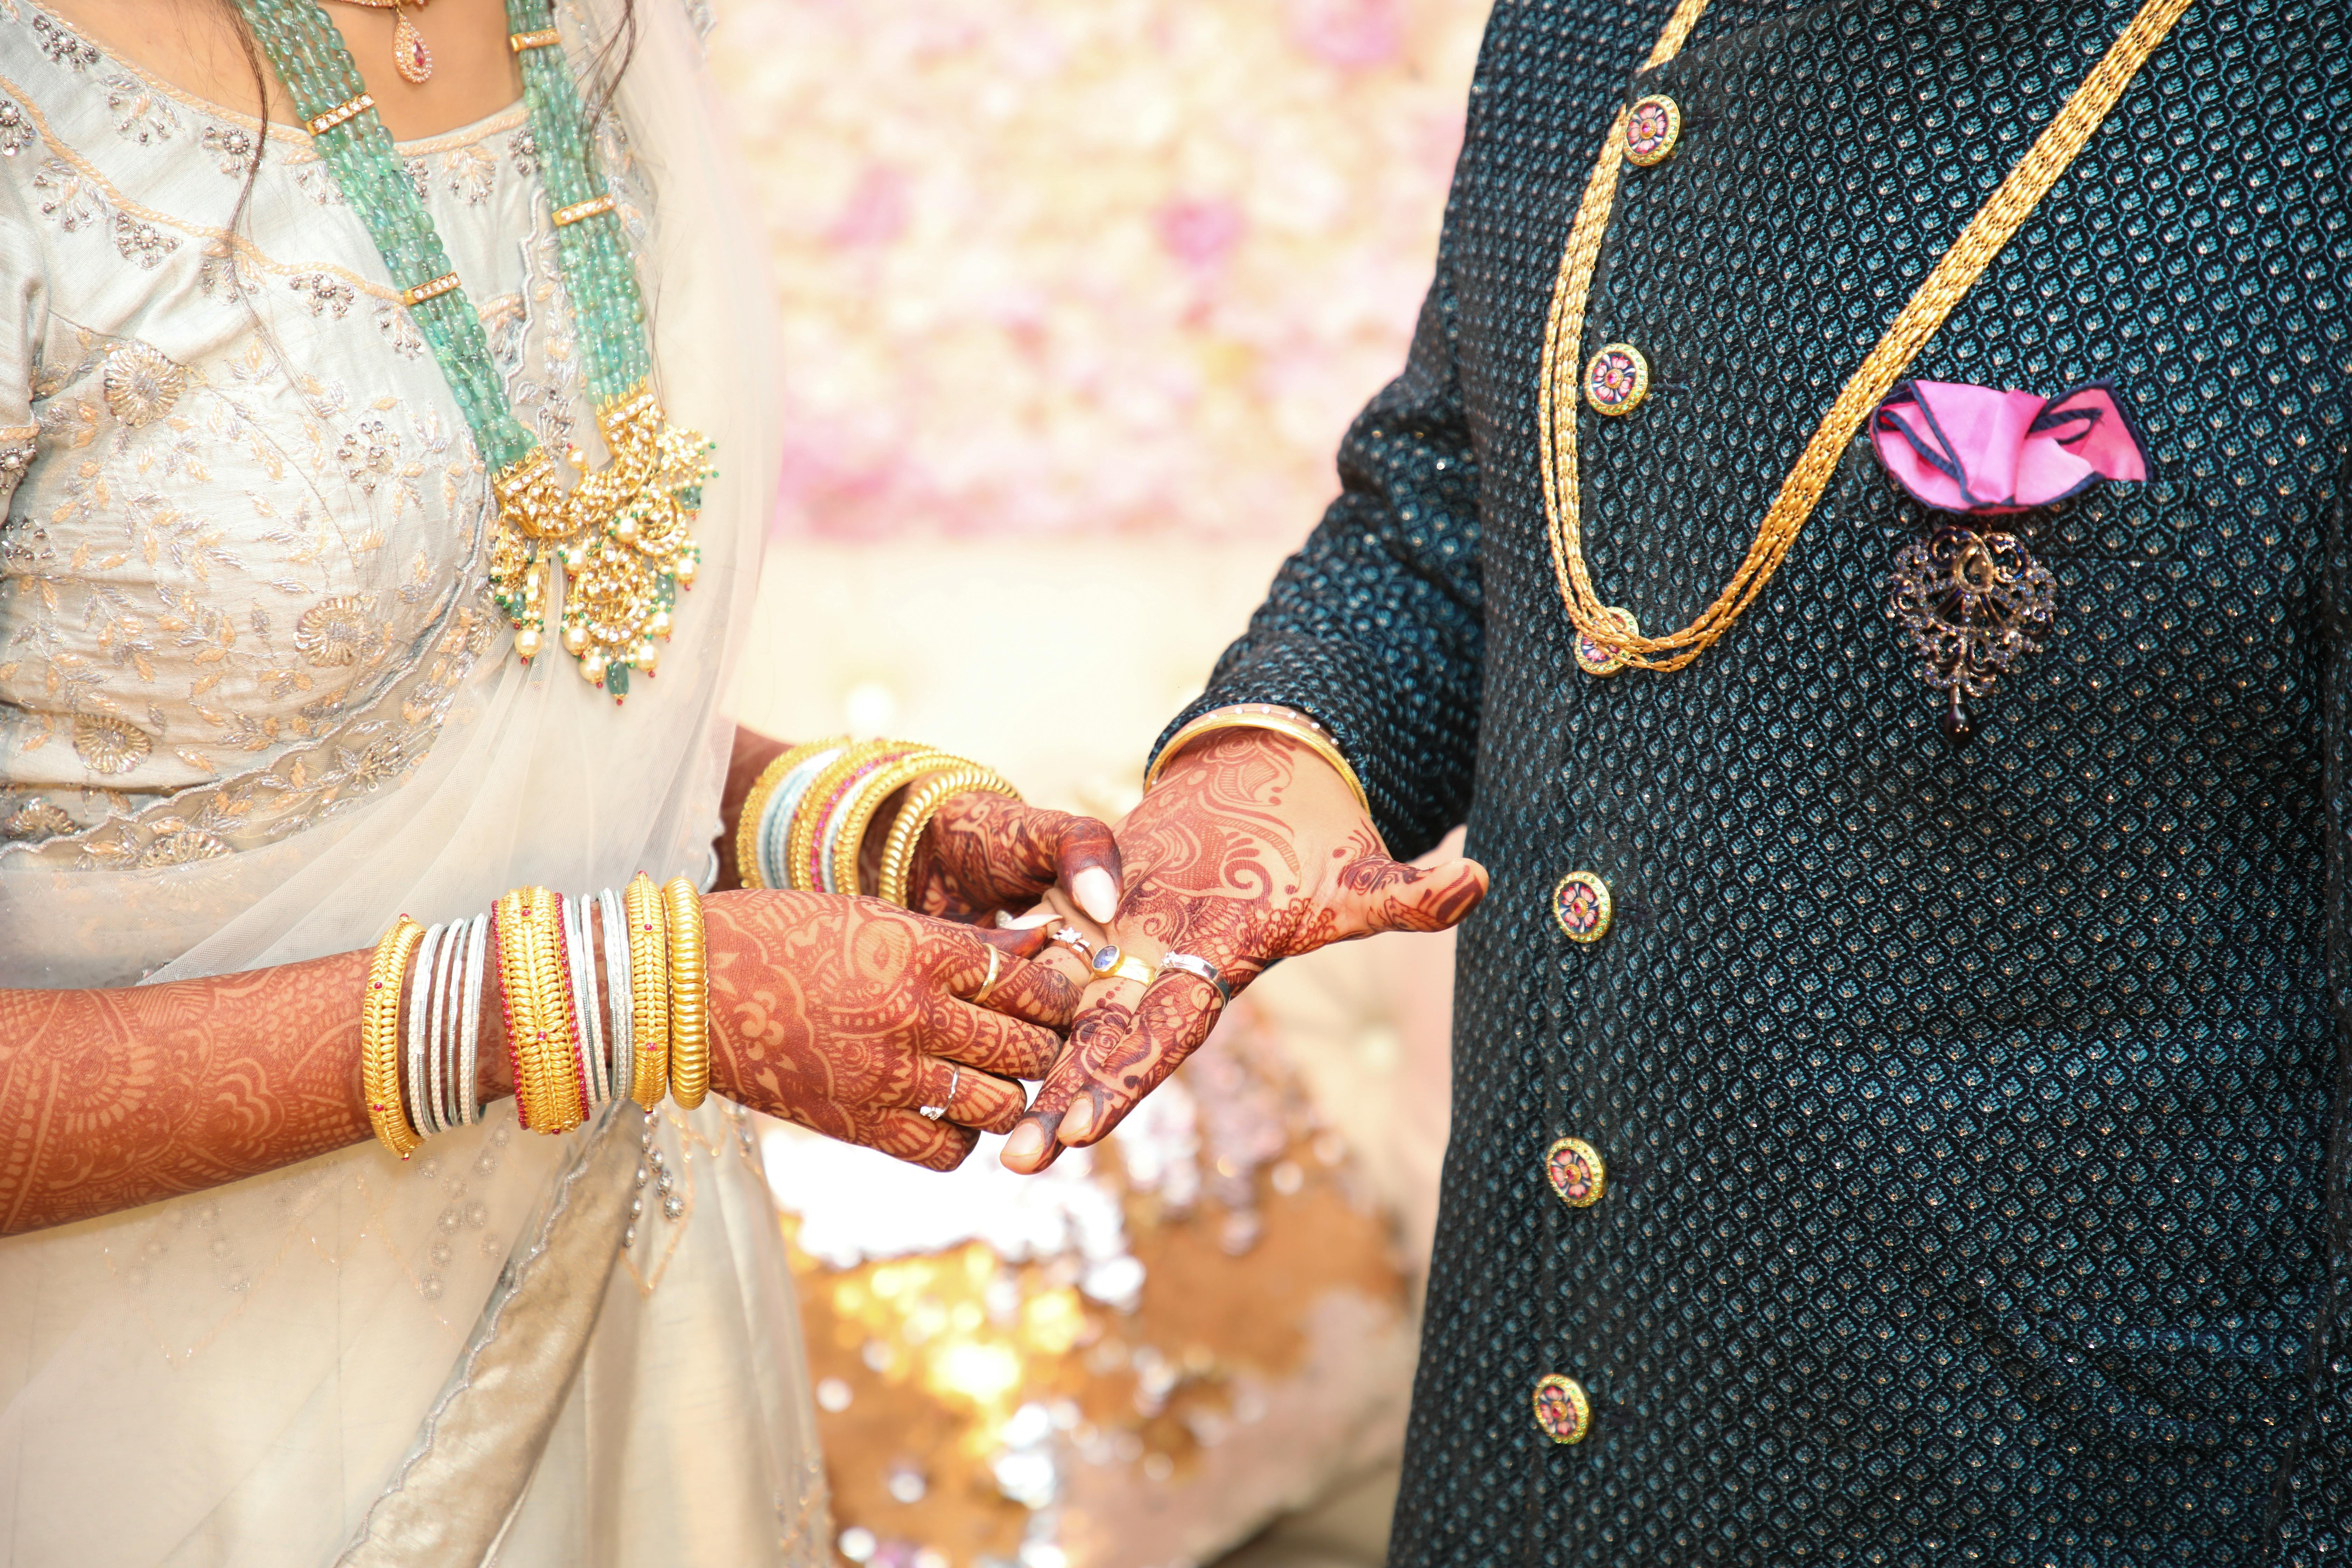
(1109, 964)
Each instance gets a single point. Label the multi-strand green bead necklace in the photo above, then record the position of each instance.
(621, 531)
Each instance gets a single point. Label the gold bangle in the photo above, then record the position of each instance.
(755, 806)
(800, 855)
(538, 989)
(926, 803)
(1263, 716)
(380, 1014)
(855, 812)
(690, 994)
(641, 903)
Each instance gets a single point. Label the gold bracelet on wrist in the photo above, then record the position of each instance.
(926, 803)
(1263, 716)
(855, 812)
(380, 1015)
(690, 994)
(548, 1096)
(641, 904)
(808, 819)
(755, 806)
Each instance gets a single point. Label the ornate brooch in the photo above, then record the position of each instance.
(1973, 602)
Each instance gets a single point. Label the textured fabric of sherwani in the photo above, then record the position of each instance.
(1967, 1117)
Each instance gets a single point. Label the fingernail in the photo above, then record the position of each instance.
(1079, 1123)
(1029, 922)
(1004, 920)
(1097, 894)
(1028, 1142)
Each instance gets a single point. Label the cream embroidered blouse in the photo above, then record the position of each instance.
(244, 500)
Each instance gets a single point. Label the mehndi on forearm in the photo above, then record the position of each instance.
(117, 1097)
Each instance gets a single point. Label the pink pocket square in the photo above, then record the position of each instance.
(1970, 449)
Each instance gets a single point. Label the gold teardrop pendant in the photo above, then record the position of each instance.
(409, 54)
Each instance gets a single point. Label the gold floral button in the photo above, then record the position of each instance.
(1563, 1410)
(1582, 907)
(1653, 126)
(1616, 379)
(1597, 658)
(1576, 1173)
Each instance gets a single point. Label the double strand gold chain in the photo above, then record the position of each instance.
(1962, 264)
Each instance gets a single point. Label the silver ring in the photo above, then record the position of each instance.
(933, 1112)
(1199, 969)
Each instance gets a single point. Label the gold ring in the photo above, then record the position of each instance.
(995, 966)
(1107, 963)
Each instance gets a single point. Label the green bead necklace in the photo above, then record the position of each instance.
(621, 531)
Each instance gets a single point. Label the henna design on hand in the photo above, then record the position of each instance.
(835, 1012)
(113, 1098)
(983, 853)
(980, 855)
(1250, 850)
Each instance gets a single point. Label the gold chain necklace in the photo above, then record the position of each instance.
(2004, 211)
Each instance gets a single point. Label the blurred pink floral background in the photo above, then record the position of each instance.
(1078, 296)
(1090, 266)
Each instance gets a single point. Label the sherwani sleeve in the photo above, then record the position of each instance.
(1375, 628)
(2313, 1501)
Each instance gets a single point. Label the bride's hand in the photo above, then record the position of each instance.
(986, 852)
(979, 856)
(847, 1015)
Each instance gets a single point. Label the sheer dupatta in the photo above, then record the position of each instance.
(414, 1362)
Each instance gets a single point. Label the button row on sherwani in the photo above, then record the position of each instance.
(1617, 377)
(1576, 1173)
(1563, 1410)
(1582, 907)
(1653, 127)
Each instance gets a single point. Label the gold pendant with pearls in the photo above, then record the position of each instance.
(621, 532)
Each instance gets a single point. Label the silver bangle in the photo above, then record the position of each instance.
(576, 961)
(469, 1077)
(433, 964)
(448, 972)
(1199, 968)
(590, 1006)
(616, 985)
(419, 1044)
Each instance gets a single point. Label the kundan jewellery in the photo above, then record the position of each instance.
(620, 531)
(1564, 381)
(410, 58)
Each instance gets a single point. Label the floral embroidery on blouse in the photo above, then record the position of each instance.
(239, 584)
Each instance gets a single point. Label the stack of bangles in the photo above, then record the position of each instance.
(806, 817)
(573, 1050)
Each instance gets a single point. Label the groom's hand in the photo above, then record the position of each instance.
(1250, 849)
